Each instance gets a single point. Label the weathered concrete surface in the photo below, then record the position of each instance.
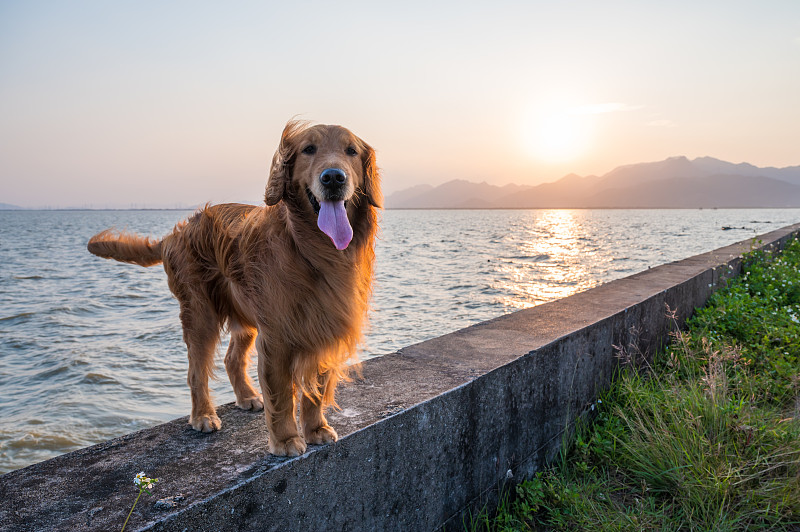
(425, 433)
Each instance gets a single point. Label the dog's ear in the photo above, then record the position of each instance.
(372, 180)
(278, 176)
(283, 163)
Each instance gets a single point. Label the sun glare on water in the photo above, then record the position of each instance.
(549, 261)
(554, 134)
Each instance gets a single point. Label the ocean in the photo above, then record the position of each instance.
(92, 349)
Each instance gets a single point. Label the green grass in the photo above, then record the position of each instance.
(705, 437)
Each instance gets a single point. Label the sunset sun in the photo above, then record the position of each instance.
(554, 134)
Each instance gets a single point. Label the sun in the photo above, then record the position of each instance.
(554, 134)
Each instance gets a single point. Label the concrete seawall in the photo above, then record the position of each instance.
(426, 433)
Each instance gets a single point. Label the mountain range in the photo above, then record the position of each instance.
(676, 182)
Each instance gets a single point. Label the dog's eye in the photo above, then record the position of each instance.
(310, 149)
(351, 151)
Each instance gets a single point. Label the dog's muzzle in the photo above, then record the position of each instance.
(333, 178)
(333, 181)
(331, 209)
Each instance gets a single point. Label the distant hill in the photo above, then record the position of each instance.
(676, 182)
(457, 194)
(9, 207)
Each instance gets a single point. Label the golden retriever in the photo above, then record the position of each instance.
(293, 276)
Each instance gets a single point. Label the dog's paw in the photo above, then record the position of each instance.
(322, 435)
(207, 423)
(294, 446)
(251, 403)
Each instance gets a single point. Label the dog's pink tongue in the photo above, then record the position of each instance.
(332, 220)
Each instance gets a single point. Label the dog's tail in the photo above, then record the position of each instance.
(126, 247)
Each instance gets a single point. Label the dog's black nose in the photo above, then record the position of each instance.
(332, 177)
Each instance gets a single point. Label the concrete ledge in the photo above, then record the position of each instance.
(425, 433)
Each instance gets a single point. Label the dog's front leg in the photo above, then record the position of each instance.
(277, 386)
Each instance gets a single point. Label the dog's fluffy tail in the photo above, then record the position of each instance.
(126, 247)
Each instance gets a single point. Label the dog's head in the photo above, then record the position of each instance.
(326, 170)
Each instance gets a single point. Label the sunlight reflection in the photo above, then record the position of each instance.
(549, 261)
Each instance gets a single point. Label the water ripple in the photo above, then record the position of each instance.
(17, 317)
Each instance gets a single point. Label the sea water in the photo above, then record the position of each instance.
(91, 349)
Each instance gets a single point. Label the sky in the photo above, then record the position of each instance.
(172, 104)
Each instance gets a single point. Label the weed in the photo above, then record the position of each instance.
(145, 484)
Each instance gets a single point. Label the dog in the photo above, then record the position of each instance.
(293, 276)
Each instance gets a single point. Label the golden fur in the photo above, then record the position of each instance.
(274, 279)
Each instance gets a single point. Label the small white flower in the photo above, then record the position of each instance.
(143, 482)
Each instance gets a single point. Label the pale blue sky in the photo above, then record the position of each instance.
(179, 103)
